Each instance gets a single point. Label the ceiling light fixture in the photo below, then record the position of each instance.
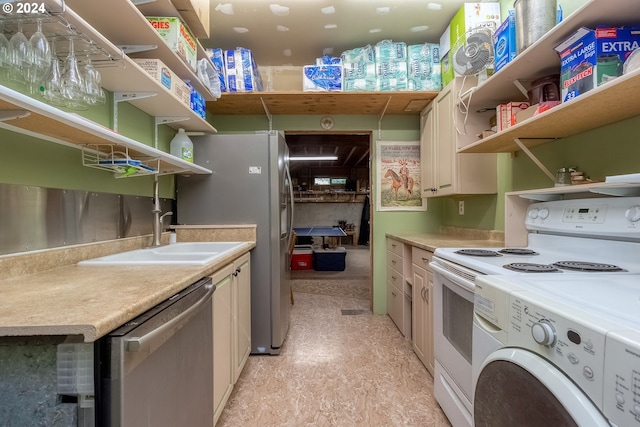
(299, 158)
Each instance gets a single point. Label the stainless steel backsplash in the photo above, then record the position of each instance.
(33, 218)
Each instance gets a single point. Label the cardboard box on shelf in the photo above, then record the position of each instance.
(163, 74)
(505, 42)
(469, 16)
(506, 114)
(590, 58)
(283, 78)
(177, 36)
(523, 115)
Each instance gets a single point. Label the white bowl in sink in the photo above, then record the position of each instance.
(187, 253)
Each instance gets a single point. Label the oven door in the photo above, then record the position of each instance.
(453, 322)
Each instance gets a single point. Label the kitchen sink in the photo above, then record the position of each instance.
(187, 253)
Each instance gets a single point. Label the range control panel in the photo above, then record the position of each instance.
(607, 216)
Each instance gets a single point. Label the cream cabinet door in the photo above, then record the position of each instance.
(242, 313)
(222, 339)
(427, 147)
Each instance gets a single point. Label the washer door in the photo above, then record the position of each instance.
(517, 388)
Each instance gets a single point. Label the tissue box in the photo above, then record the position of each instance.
(391, 66)
(159, 71)
(326, 78)
(359, 69)
(242, 72)
(177, 36)
(217, 58)
(505, 42)
(590, 58)
(469, 16)
(424, 66)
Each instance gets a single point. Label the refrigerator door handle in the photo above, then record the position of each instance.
(286, 168)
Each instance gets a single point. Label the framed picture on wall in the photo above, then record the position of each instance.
(398, 176)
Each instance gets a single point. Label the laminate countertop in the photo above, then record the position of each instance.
(89, 301)
(431, 242)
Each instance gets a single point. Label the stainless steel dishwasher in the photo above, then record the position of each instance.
(157, 370)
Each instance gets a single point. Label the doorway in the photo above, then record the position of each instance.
(334, 193)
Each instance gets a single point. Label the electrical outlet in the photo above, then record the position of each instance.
(461, 207)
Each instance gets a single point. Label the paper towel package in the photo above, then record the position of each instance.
(217, 58)
(424, 66)
(391, 65)
(322, 78)
(359, 69)
(328, 60)
(242, 72)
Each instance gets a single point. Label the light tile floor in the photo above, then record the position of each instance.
(335, 370)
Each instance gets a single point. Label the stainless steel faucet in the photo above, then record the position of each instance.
(157, 218)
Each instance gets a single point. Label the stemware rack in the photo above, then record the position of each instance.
(116, 159)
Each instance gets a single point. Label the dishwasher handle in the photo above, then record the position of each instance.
(161, 334)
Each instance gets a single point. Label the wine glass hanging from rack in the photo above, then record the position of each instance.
(65, 44)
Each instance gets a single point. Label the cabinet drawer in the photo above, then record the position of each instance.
(395, 262)
(395, 246)
(421, 257)
(395, 278)
(395, 299)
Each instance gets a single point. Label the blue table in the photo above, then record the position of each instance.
(320, 232)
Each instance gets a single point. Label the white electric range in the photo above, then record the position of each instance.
(567, 238)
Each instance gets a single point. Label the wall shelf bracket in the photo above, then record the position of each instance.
(119, 97)
(535, 160)
(164, 120)
(381, 116)
(6, 115)
(268, 114)
(521, 87)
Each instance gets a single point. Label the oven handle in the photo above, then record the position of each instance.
(162, 333)
(460, 281)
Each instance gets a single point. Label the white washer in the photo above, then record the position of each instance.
(556, 351)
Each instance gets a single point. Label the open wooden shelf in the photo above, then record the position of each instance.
(54, 125)
(334, 103)
(614, 101)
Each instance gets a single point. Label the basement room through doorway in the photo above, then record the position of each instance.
(332, 189)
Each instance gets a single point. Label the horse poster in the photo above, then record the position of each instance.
(398, 176)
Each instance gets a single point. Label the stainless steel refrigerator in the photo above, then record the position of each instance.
(250, 184)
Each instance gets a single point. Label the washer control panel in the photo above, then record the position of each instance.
(622, 378)
(566, 338)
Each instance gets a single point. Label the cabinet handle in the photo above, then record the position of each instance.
(394, 278)
(393, 245)
(426, 294)
(393, 261)
(393, 293)
(425, 259)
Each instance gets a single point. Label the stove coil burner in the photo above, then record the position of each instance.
(587, 266)
(478, 252)
(528, 267)
(518, 251)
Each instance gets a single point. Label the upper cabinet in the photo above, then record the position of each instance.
(606, 104)
(444, 125)
(112, 30)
